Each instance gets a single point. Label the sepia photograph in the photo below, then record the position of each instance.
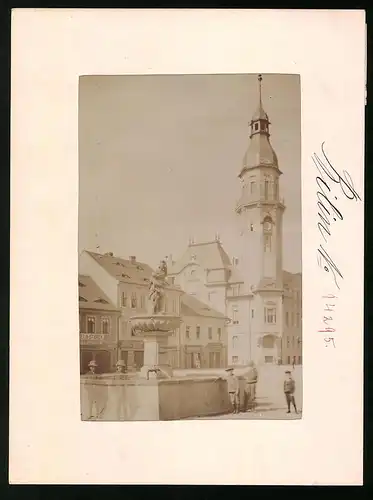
(190, 247)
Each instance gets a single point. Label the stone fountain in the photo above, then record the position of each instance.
(155, 394)
(155, 326)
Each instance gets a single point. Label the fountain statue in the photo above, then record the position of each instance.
(157, 286)
(155, 326)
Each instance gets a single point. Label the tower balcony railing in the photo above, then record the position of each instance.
(248, 200)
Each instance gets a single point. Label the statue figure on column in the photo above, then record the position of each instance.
(157, 286)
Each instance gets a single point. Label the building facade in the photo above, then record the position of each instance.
(252, 289)
(202, 339)
(98, 327)
(126, 284)
(292, 338)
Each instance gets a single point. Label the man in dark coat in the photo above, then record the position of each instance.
(289, 389)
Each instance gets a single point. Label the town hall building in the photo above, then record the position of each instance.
(262, 301)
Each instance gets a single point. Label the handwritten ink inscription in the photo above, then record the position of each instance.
(332, 187)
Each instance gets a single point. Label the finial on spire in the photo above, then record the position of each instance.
(260, 78)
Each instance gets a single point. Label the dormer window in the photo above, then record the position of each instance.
(263, 126)
(101, 301)
(256, 126)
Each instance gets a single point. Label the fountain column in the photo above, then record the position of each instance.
(155, 326)
(154, 330)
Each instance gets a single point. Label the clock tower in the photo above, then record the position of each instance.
(260, 213)
(260, 208)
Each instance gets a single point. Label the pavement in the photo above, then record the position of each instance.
(271, 404)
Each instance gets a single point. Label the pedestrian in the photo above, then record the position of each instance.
(121, 366)
(294, 360)
(289, 389)
(233, 390)
(250, 387)
(92, 365)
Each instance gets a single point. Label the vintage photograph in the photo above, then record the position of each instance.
(190, 247)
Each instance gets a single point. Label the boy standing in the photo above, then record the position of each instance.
(289, 389)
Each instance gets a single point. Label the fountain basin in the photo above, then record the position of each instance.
(154, 324)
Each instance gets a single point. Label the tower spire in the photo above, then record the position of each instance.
(260, 78)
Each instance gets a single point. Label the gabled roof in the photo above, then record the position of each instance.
(190, 306)
(209, 255)
(126, 271)
(92, 297)
(122, 269)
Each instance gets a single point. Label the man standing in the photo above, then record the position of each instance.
(250, 388)
(121, 366)
(92, 365)
(294, 362)
(233, 389)
(289, 389)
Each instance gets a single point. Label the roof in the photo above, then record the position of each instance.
(209, 255)
(190, 306)
(92, 297)
(260, 153)
(124, 270)
(260, 114)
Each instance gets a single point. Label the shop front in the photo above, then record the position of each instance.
(93, 348)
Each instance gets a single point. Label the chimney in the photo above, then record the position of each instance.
(133, 259)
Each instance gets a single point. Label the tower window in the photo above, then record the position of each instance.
(256, 126)
(266, 189)
(251, 227)
(267, 228)
(210, 333)
(187, 331)
(252, 187)
(235, 318)
(269, 315)
(262, 125)
(267, 243)
(198, 332)
(235, 342)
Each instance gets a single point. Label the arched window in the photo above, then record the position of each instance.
(235, 342)
(267, 230)
(268, 341)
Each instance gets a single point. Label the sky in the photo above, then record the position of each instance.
(159, 157)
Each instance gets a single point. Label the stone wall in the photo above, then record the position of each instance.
(117, 397)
